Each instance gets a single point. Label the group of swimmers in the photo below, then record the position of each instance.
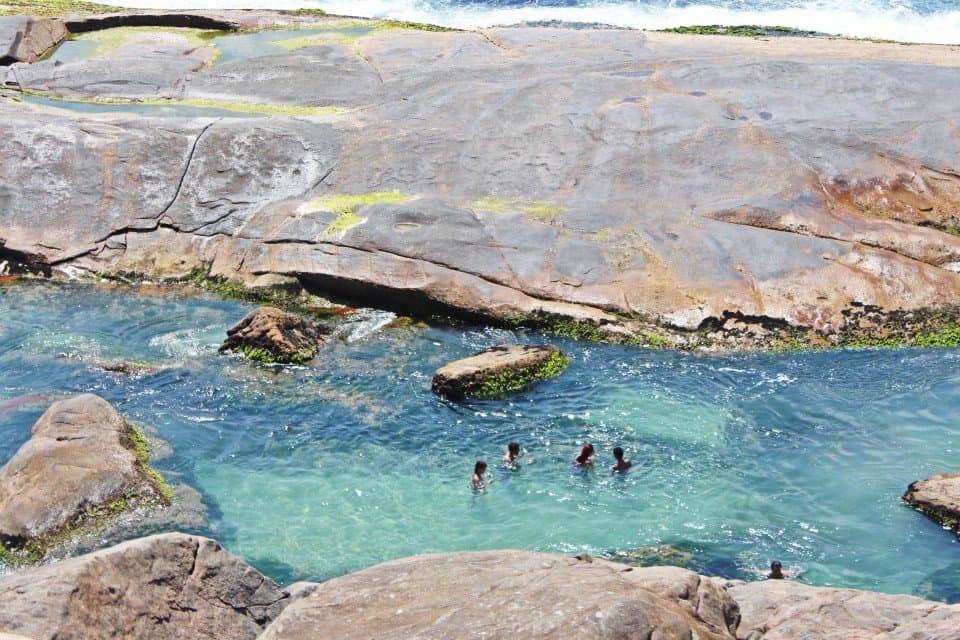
(511, 459)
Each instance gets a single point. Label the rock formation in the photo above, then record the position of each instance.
(498, 370)
(785, 610)
(939, 498)
(510, 594)
(268, 334)
(81, 463)
(24, 39)
(675, 190)
(164, 586)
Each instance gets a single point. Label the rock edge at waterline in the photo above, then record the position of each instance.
(937, 497)
(498, 370)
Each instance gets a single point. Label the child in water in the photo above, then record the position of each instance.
(585, 457)
(622, 463)
(481, 478)
(512, 457)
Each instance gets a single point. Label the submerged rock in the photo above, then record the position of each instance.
(498, 370)
(784, 610)
(165, 586)
(268, 334)
(84, 461)
(510, 594)
(938, 497)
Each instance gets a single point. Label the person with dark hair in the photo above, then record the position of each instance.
(776, 571)
(512, 457)
(622, 463)
(481, 479)
(585, 457)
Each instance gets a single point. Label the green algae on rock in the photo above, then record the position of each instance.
(52, 8)
(270, 335)
(346, 205)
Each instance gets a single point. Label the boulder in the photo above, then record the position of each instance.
(268, 334)
(498, 370)
(785, 610)
(938, 497)
(81, 462)
(510, 594)
(25, 39)
(165, 586)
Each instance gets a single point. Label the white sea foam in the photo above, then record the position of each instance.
(884, 19)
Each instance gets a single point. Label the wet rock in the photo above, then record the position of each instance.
(25, 39)
(80, 464)
(498, 370)
(938, 497)
(785, 610)
(165, 586)
(268, 334)
(510, 594)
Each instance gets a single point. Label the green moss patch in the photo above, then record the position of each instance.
(744, 30)
(510, 381)
(111, 39)
(539, 208)
(345, 206)
(52, 8)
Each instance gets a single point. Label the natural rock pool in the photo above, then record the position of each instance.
(315, 471)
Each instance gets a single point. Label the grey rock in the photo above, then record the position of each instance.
(165, 586)
(938, 497)
(785, 610)
(79, 457)
(508, 367)
(502, 594)
(25, 39)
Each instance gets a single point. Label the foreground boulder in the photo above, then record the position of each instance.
(165, 586)
(785, 610)
(510, 594)
(268, 334)
(24, 39)
(498, 370)
(83, 461)
(938, 497)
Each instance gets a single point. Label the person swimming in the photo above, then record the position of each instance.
(585, 457)
(622, 463)
(481, 479)
(512, 457)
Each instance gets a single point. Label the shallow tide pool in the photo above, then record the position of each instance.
(309, 472)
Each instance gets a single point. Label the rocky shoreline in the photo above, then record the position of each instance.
(660, 189)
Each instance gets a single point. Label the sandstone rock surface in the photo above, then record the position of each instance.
(510, 594)
(165, 586)
(497, 370)
(690, 189)
(272, 335)
(938, 497)
(79, 457)
(786, 610)
(24, 39)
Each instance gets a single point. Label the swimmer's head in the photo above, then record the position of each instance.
(514, 448)
(480, 467)
(618, 452)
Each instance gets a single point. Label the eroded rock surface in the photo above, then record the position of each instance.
(938, 497)
(785, 610)
(79, 458)
(675, 189)
(510, 594)
(165, 586)
(25, 39)
(271, 335)
(497, 370)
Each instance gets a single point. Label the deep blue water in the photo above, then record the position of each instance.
(936, 21)
(312, 471)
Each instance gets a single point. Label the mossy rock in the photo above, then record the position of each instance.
(498, 371)
(268, 334)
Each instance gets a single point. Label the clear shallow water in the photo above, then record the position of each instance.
(311, 472)
(933, 21)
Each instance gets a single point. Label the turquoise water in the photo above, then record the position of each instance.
(313, 471)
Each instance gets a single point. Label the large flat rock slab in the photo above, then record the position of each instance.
(498, 370)
(785, 610)
(505, 594)
(642, 183)
(938, 497)
(166, 586)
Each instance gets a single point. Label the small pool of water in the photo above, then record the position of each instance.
(309, 472)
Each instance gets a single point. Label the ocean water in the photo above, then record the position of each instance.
(930, 21)
(309, 472)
